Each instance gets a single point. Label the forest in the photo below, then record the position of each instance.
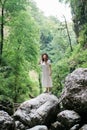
(26, 33)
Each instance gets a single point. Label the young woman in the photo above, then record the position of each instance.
(46, 72)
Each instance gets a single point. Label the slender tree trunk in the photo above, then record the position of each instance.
(2, 32)
(68, 34)
(2, 28)
(16, 86)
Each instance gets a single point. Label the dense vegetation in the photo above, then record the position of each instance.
(25, 33)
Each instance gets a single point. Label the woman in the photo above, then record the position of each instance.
(46, 72)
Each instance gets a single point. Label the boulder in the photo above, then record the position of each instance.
(19, 126)
(39, 127)
(75, 127)
(83, 127)
(74, 95)
(68, 118)
(38, 111)
(6, 122)
(57, 126)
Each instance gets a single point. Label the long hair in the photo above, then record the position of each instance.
(46, 56)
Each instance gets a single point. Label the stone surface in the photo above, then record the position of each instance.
(75, 127)
(74, 95)
(68, 118)
(19, 125)
(83, 127)
(57, 126)
(39, 127)
(6, 122)
(38, 111)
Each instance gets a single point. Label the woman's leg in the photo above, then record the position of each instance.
(48, 89)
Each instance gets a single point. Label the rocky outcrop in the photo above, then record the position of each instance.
(20, 126)
(45, 112)
(6, 122)
(39, 127)
(68, 118)
(83, 127)
(57, 126)
(75, 127)
(74, 96)
(40, 110)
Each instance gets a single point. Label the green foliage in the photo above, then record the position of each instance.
(25, 37)
(23, 47)
(68, 64)
(65, 61)
(14, 6)
(6, 104)
(60, 71)
(78, 58)
(83, 35)
(20, 54)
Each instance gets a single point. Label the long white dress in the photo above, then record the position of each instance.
(46, 78)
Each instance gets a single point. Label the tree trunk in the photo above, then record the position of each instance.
(68, 34)
(2, 32)
(2, 28)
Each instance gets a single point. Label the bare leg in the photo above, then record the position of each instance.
(48, 89)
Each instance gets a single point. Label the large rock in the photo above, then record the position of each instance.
(38, 111)
(6, 122)
(19, 126)
(39, 127)
(74, 96)
(83, 127)
(57, 126)
(68, 118)
(75, 127)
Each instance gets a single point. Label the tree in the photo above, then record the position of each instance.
(79, 14)
(7, 8)
(2, 7)
(20, 53)
(68, 34)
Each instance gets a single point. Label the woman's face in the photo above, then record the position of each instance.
(45, 57)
